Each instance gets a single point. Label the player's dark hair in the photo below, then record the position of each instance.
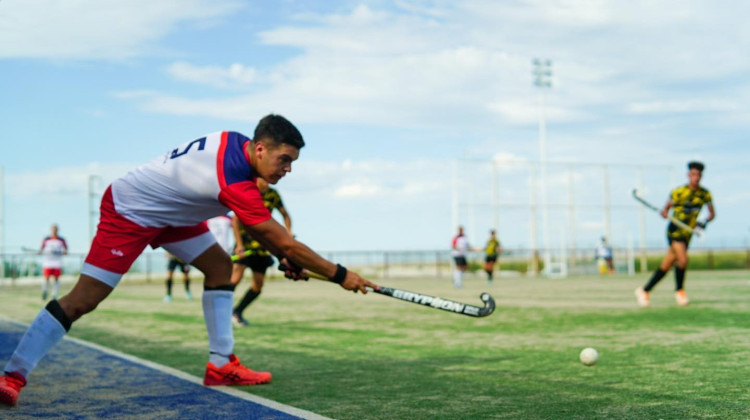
(278, 130)
(696, 165)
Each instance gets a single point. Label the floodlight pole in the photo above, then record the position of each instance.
(642, 224)
(495, 200)
(92, 182)
(543, 80)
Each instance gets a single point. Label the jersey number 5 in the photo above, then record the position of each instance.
(201, 145)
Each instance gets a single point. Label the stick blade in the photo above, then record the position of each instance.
(489, 304)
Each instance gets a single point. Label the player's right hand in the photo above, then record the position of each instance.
(356, 283)
(292, 271)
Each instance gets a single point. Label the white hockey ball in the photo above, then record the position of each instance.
(589, 356)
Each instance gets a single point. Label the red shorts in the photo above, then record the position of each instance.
(118, 241)
(51, 272)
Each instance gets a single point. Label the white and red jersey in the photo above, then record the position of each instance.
(196, 181)
(52, 251)
(221, 227)
(460, 246)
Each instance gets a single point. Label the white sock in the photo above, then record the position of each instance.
(217, 311)
(55, 290)
(43, 333)
(45, 284)
(457, 277)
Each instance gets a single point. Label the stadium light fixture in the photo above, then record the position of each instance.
(542, 72)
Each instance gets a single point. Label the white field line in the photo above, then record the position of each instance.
(193, 379)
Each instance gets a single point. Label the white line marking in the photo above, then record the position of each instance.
(288, 409)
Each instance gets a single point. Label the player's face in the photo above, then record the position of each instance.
(694, 176)
(275, 162)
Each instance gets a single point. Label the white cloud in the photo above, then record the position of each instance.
(469, 62)
(684, 106)
(366, 179)
(236, 75)
(359, 191)
(68, 181)
(92, 29)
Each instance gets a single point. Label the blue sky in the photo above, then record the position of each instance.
(388, 94)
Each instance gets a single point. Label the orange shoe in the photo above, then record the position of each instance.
(233, 373)
(642, 296)
(10, 386)
(681, 297)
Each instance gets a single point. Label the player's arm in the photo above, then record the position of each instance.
(239, 247)
(65, 247)
(665, 210)
(287, 219)
(711, 212)
(281, 243)
(245, 200)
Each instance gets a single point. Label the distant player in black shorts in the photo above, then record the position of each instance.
(686, 202)
(491, 252)
(252, 254)
(172, 265)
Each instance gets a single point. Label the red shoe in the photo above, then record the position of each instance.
(10, 385)
(233, 373)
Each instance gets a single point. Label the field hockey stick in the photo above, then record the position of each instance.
(237, 257)
(425, 300)
(677, 222)
(28, 249)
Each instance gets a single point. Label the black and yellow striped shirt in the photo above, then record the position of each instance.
(272, 201)
(686, 205)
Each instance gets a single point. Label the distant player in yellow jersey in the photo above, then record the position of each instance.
(686, 202)
(252, 254)
(491, 251)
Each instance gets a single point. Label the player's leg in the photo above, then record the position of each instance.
(224, 367)
(56, 284)
(51, 324)
(45, 284)
(642, 293)
(679, 248)
(259, 265)
(459, 281)
(252, 293)
(186, 280)
(101, 272)
(666, 263)
(197, 246)
(488, 269)
(46, 330)
(238, 271)
(168, 283)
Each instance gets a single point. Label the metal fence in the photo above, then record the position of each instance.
(152, 266)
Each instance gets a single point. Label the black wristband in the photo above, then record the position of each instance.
(340, 275)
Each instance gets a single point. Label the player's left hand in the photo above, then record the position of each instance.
(356, 283)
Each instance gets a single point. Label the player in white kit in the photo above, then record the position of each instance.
(52, 250)
(165, 203)
(459, 249)
(221, 228)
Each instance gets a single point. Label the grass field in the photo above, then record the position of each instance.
(350, 356)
